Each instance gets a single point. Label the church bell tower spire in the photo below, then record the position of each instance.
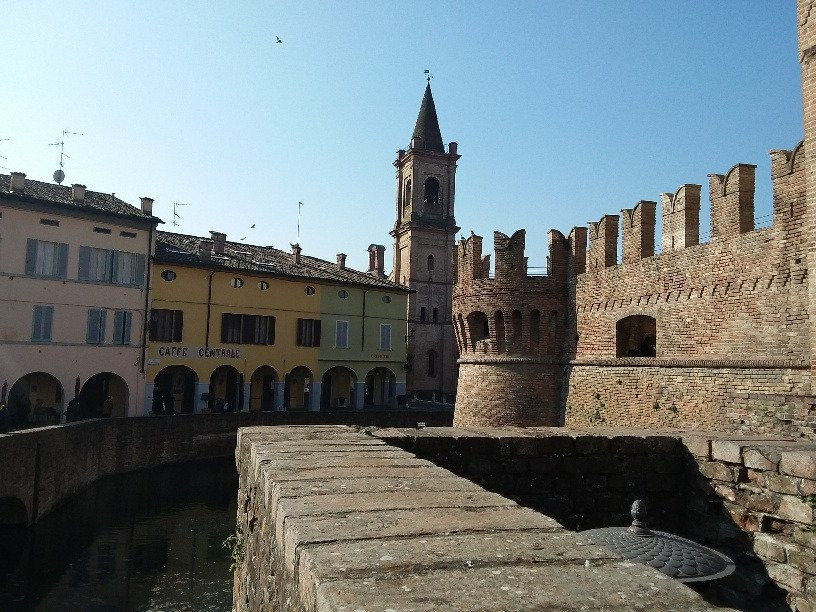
(424, 236)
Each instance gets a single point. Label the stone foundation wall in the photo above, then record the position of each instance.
(330, 519)
(41, 467)
(663, 393)
(750, 498)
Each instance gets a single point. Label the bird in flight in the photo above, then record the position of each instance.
(252, 226)
(278, 40)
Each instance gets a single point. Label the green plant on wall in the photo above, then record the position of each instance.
(656, 406)
(237, 548)
(673, 408)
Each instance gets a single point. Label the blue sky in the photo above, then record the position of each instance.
(564, 110)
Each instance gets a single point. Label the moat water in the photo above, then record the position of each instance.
(149, 540)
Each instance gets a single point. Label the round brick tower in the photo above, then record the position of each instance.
(510, 331)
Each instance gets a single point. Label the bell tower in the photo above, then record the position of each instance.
(424, 236)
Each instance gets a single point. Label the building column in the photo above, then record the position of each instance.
(359, 395)
(148, 398)
(399, 389)
(198, 405)
(247, 396)
(277, 402)
(314, 396)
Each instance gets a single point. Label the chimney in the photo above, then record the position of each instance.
(147, 205)
(376, 259)
(452, 147)
(218, 239)
(296, 254)
(77, 192)
(17, 182)
(205, 248)
(341, 261)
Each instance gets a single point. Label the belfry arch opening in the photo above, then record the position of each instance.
(478, 326)
(636, 336)
(432, 194)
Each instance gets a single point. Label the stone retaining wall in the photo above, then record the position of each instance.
(41, 467)
(331, 519)
(747, 497)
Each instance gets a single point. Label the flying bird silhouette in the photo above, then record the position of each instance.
(252, 226)
(278, 40)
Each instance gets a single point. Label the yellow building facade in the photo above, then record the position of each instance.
(242, 327)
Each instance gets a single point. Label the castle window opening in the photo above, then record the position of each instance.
(431, 198)
(535, 327)
(636, 336)
(422, 315)
(479, 327)
(432, 364)
(499, 317)
(516, 324)
(435, 315)
(430, 262)
(552, 324)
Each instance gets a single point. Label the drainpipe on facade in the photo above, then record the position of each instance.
(142, 369)
(209, 305)
(362, 342)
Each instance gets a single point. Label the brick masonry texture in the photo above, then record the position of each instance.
(733, 318)
(732, 347)
(330, 519)
(751, 498)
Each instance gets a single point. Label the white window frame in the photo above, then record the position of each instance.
(385, 328)
(341, 339)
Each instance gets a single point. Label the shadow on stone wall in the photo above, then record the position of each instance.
(589, 481)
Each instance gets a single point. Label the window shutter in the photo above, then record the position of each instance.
(36, 323)
(113, 267)
(316, 335)
(47, 316)
(272, 330)
(84, 262)
(299, 334)
(118, 331)
(62, 260)
(93, 327)
(102, 316)
(127, 320)
(31, 256)
(139, 273)
(179, 324)
(225, 327)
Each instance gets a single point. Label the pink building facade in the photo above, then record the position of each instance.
(74, 292)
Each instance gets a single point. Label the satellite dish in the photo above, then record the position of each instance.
(59, 176)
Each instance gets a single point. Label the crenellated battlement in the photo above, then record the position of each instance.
(638, 229)
(732, 201)
(680, 214)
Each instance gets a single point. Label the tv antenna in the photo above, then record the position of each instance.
(177, 216)
(59, 175)
(3, 156)
(428, 75)
(300, 205)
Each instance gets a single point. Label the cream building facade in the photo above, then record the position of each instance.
(73, 299)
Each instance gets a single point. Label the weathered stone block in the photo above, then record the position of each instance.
(769, 547)
(801, 558)
(805, 537)
(799, 463)
(787, 576)
(782, 484)
(725, 450)
(795, 509)
(715, 470)
(699, 447)
(754, 458)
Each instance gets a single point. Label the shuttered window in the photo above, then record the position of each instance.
(247, 329)
(49, 259)
(166, 325)
(341, 334)
(122, 320)
(96, 326)
(41, 323)
(385, 336)
(107, 266)
(308, 332)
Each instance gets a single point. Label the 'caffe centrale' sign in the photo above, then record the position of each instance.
(191, 352)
